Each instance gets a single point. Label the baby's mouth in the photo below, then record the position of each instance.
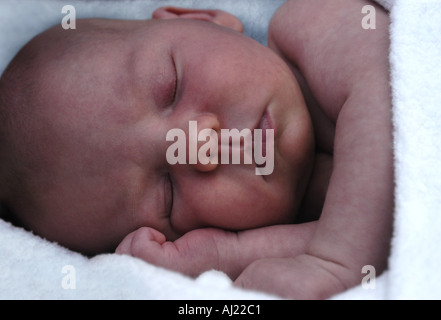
(264, 124)
(249, 146)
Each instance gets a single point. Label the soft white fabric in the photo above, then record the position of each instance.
(415, 58)
(33, 268)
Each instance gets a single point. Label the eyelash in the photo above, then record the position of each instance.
(175, 84)
(168, 192)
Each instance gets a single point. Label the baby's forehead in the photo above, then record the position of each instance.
(91, 33)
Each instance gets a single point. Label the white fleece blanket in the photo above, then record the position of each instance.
(33, 268)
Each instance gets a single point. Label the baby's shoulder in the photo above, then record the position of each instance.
(298, 20)
(301, 30)
(326, 42)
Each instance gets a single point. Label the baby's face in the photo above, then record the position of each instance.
(108, 107)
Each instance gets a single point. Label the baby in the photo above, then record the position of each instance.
(85, 113)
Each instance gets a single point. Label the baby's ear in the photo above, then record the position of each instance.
(216, 16)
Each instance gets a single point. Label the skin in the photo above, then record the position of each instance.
(355, 226)
(351, 112)
(102, 115)
(343, 75)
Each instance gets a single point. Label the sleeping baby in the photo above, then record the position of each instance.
(85, 114)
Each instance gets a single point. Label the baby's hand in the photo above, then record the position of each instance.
(210, 248)
(192, 254)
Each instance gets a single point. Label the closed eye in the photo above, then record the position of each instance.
(166, 91)
(175, 84)
(168, 195)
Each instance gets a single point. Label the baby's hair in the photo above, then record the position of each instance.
(20, 94)
(23, 95)
(14, 90)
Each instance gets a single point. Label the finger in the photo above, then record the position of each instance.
(135, 240)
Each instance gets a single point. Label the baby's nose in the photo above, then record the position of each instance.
(203, 142)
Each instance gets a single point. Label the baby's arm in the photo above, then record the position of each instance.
(204, 249)
(346, 69)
